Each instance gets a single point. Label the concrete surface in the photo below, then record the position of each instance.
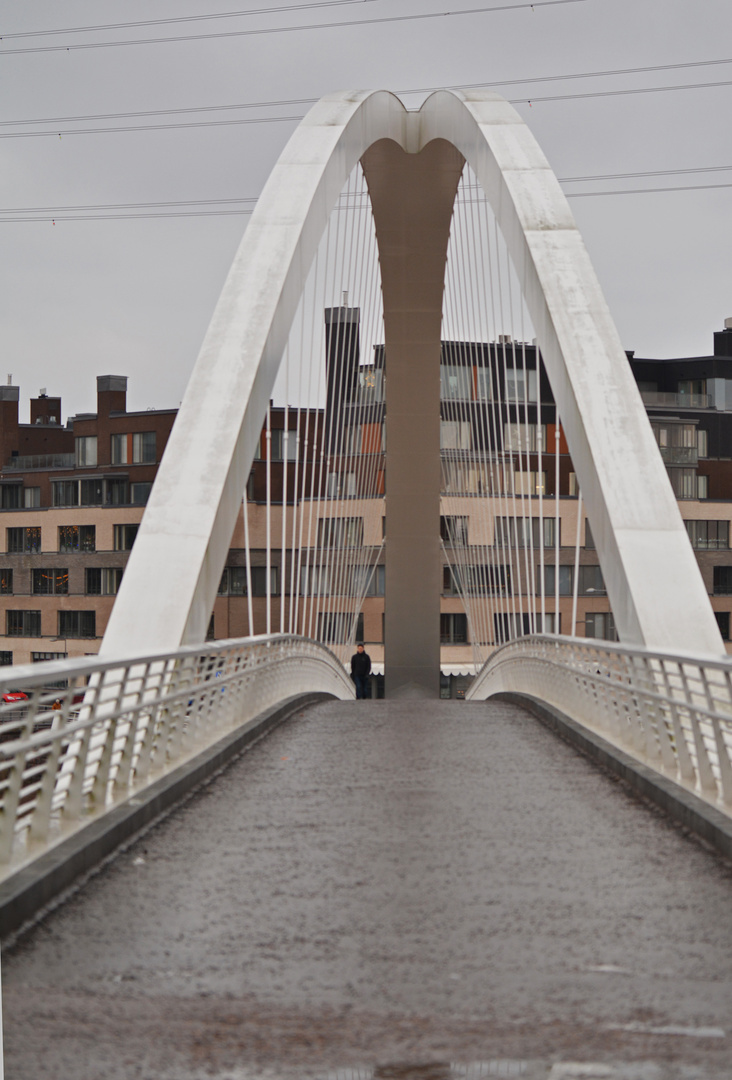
(378, 890)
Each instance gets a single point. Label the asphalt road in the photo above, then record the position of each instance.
(377, 890)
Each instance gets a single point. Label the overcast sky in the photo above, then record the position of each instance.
(134, 297)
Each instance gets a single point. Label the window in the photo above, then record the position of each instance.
(234, 581)
(511, 624)
(573, 486)
(589, 538)
(371, 383)
(25, 541)
(520, 385)
(454, 435)
(314, 581)
(702, 443)
(6, 582)
(138, 448)
(77, 538)
(140, 494)
(456, 383)
(483, 384)
(65, 493)
(238, 581)
(118, 449)
(53, 582)
(23, 623)
(515, 532)
(453, 628)
(566, 579)
(722, 618)
(692, 387)
(367, 581)
(340, 532)
(591, 581)
(124, 537)
(144, 448)
(10, 496)
(463, 477)
(91, 492)
(529, 483)
(723, 580)
(453, 530)
(600, 624)
(702, 487)
(117, 492)
(552, 623)
(102, 581)
(523, 437)
(708, 535)
(339, 626)
(478, 580)
(683, 482)
(675, 435)
(277, 445)
(31, 497)
(6, 658)
(86, 451)
(77, 624)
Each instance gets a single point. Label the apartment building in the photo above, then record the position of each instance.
(72, 496)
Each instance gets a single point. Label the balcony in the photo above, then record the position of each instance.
(683, 401)
(39, 461)
(679, 455)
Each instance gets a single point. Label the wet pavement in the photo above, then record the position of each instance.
(389, 891)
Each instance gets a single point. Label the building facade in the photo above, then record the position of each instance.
(72, 497)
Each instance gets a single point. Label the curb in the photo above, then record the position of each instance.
(683, 806)
(26, 892)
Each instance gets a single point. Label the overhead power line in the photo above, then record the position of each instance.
(645, 191)
(381, 20)
(344, 198)
(51, 214)
(296, 119)
(181, 19)
(288, 102)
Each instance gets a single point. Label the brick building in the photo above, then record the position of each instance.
(72, 496)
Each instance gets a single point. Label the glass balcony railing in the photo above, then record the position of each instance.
(684, 401)
(679, 455)
(40, 461)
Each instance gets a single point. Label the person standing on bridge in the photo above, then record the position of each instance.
(360, 670)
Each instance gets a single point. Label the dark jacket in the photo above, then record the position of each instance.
(360, 664)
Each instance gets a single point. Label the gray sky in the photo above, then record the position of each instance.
(134, 297)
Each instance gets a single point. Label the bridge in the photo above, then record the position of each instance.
(428, 883)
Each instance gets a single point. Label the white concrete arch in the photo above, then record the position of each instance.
(170, 583)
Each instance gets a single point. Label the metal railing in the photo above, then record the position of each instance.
(68, 755)
(672, 712)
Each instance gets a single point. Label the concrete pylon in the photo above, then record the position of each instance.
(412, 197)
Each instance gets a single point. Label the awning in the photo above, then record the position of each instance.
(446, 669)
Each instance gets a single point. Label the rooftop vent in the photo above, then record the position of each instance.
(728, 324)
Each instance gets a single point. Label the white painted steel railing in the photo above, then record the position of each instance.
(673, 712)
(120, 724)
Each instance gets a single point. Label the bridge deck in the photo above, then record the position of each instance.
(380, 883)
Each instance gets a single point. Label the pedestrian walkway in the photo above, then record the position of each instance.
(378, 886)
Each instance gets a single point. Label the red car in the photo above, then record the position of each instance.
(14, 695)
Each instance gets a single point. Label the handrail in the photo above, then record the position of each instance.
(673, 711)
(68, 755)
